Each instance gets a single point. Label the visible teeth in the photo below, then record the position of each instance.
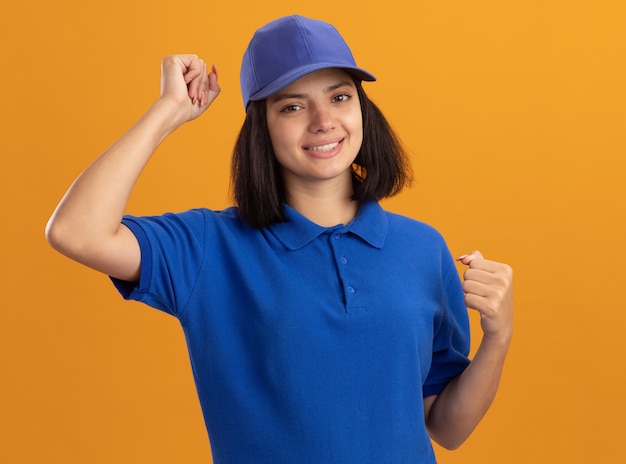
(327, 147)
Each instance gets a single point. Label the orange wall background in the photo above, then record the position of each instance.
(515, 115)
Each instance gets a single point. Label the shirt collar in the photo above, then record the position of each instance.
(370, 224)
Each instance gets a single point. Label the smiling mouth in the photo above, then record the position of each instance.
(324, 148)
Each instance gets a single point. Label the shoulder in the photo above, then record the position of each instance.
(201, 225)
(192, 218)
(418, 240)
(412, 228)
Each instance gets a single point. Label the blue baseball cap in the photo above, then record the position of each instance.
(288, 48)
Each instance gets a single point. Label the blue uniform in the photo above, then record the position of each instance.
(309, 344)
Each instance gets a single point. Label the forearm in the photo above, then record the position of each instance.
(93, 206)
(465, 400)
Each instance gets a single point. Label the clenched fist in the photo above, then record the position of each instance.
(186, 81)
(488, 287)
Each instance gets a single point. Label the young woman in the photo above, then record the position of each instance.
(321, 328)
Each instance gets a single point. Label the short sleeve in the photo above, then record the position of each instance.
(172, 254)
(451, 341)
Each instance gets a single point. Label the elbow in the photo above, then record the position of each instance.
(450, 437)
(61, 237)
(449, 441)
(55, 235)
(450, 445)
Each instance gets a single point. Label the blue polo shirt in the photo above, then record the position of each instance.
(309, 344)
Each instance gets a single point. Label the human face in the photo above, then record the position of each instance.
(316, 128)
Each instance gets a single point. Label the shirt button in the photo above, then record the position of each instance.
(344, 260)
(337, 236)
(351, 290)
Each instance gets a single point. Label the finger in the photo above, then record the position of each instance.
(192, 67)
(483, 298)
(477, 303)
(213, 88)
(469, 258)
(475, 260)
(473, 287)
(195, 85)
(192, 70)
(482, 275)
(493, 267)
(205, 88)
(492, 294)
(213, 80)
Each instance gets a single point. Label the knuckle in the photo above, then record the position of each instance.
(506, 270)
(469, 274)
(500, 280)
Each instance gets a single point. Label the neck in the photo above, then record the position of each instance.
(326, 205)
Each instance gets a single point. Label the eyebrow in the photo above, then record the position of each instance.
(284, 96)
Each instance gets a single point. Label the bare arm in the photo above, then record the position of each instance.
(86, 225)
(452, 415)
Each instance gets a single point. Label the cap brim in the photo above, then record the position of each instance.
(294, 75)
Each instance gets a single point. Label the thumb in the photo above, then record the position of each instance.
(214, 87)
(467, 259)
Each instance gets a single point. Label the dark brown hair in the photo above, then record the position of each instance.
(381, 168)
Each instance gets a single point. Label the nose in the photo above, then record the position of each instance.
(322, 119)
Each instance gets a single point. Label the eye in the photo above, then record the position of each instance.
(342, 97)
(291, 108)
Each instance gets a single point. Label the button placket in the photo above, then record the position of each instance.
(348, 286)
